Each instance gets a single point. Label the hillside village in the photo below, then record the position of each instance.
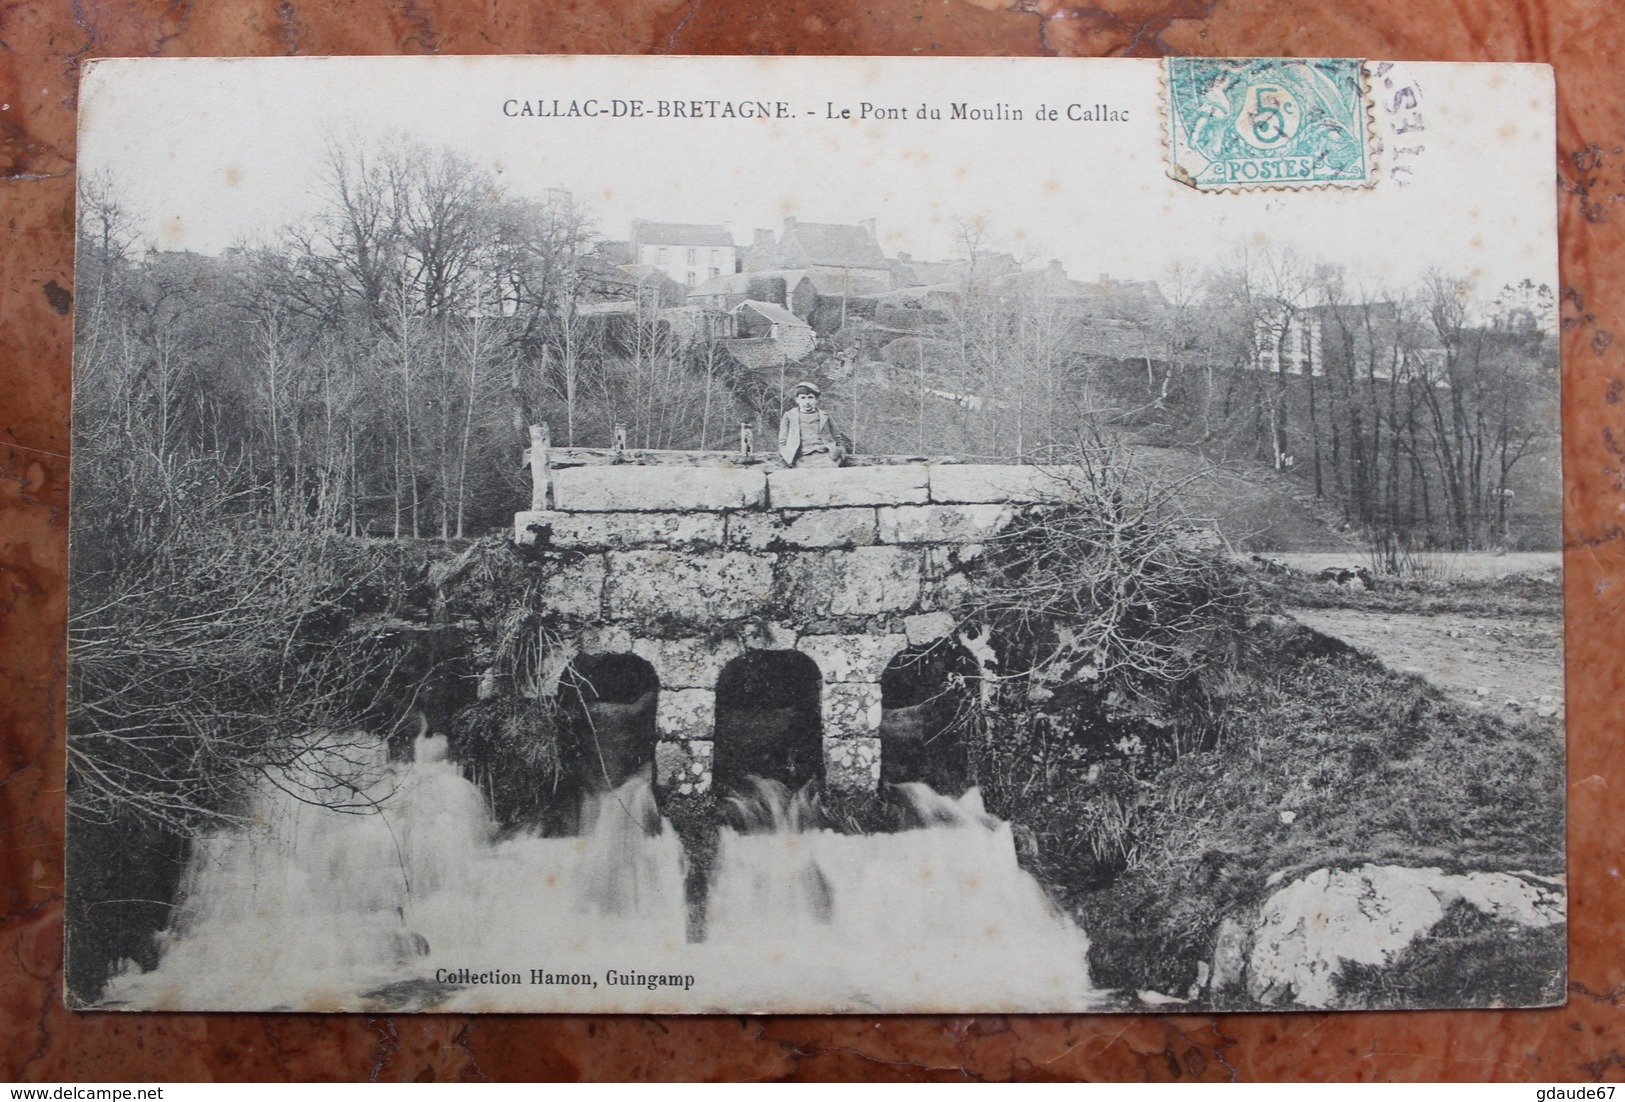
(788, 294)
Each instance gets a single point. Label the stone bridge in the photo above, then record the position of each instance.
(763, 608)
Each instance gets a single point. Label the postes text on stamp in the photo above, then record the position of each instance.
(1268, 122)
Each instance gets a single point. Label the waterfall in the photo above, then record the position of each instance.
(406, 897)
(936, 917)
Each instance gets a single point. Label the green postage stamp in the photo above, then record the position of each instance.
(1268, 122)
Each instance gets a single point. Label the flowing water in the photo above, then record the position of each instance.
(407, 898)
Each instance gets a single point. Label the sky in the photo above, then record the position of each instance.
(211, 152)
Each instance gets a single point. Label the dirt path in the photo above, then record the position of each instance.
(1511, 665)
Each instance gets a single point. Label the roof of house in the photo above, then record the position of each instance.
(835, 245)
(778, 315)
(680, 233)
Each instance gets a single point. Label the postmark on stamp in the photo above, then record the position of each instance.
(1268, 122)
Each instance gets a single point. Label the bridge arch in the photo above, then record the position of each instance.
(610, 702)
(927, 694)
(768, 721)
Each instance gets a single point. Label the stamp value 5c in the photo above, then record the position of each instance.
(1268, 122)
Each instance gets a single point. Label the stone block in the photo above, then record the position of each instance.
(523, 534)
(928, 627)
(852, 765)
(851, 657)
(593, 531)
(958, 484)
(694, 588)
(685, 714)
(687, 663)
(824, 489)
(613, 488)
(684, 768)
(767, 635)
(573, 586)
(798, 528)
(606, 640)
(942, 523)
(851, 709)
(865, 581)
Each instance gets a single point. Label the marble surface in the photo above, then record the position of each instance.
(42, 44)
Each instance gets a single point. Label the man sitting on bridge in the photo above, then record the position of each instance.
(807, 437)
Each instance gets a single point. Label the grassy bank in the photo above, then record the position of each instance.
(1311, 756)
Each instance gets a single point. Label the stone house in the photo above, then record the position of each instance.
(687, 253)
(791, 336)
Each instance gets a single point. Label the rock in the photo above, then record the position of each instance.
(1289, 817)
(1507, 897)
(1513, 704)
(1309, 929)
(1231, 947)
(614, 488)
(1200, 985)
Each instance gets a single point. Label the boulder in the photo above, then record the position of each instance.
(1308, 930)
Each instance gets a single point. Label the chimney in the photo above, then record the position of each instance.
(789, 223)
(906, 258)
(728, 231)
(868, 225)
(1055, 269)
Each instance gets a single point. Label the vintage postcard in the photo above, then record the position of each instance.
(625, 534)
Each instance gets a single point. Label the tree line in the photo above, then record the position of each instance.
(1408, 410)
